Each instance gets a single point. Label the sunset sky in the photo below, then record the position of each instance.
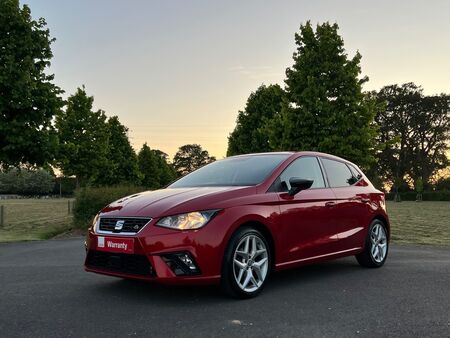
(178, 72)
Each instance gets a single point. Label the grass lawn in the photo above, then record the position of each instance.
(420, 222)
(34, 219)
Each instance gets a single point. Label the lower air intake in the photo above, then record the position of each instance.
(122, 263)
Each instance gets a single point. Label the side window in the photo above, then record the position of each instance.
(354, 171)
(304, 167)
(339, 175)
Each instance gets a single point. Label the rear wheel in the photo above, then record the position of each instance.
(376, 246)
(246, 264)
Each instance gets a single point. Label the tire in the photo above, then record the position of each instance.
(246, 264)
(376, 246)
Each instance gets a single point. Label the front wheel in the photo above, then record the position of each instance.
(246, 264)
(376, 246)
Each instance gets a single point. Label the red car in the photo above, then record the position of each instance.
(236, 220)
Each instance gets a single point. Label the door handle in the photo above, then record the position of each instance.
(330, 204)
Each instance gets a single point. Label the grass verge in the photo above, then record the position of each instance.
(420, 222)
(34, 219)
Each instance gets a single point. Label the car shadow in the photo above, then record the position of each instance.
(141, 291)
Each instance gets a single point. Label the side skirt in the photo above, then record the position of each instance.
(343, 253)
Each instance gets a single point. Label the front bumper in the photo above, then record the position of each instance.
(162, 255)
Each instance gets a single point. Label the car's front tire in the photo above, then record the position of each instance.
(376, 246)
(246, 264)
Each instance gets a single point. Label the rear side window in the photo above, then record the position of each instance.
(339, 175)
(355, 171)
(304, 167)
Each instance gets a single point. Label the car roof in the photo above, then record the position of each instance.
(296, 153)
(266, 153)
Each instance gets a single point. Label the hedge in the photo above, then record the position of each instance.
(89, 201)
(442, 195)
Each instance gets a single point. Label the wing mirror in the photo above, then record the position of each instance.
(299, 184)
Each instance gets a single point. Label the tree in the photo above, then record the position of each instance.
(148, 167)
(431, 126)
(248, 136)
(28, 98)
(414, 129)
(394, 158)
(83, 139)
(122, 165)
(166, 172)
(325, 108)
(191, 157)
(154, 168)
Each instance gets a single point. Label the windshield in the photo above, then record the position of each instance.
(233, 171)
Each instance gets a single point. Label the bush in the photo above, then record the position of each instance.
(68, 186)
(28, 182)
(89, 201)
(443, 195)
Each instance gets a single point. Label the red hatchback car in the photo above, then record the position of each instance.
(236, 220)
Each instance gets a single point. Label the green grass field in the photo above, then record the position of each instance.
(420, 222)
(35, 219)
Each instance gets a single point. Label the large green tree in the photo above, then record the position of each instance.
(431, 137)
(325, 108)
(191, 157)
(248, 136)
(83, 139)
(415, 130)
(156, 171)
(166, 172)
(28, 98)
(122, 166)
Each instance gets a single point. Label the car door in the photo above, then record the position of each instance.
(351, 203)
(307, 222)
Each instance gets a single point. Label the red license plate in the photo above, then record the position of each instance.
(115, 244)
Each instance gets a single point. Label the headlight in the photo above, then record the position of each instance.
(191, 220)
(95, 222)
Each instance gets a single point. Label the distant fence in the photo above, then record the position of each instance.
(9, 196)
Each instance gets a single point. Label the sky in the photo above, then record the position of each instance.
(178, 72)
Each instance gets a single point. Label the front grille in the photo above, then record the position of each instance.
(119, 262)
(131, 225)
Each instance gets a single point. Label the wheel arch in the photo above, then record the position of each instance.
(265, 231)
(385, 221)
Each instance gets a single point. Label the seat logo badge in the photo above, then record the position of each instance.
(119, 225)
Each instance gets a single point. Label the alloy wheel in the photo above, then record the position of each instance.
(378, 240)
(250, 263)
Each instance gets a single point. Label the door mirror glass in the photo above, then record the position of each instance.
(298, 184)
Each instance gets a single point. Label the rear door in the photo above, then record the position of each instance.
(308, 228)
(351, 204)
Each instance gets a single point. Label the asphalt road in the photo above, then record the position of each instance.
(44, 292)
